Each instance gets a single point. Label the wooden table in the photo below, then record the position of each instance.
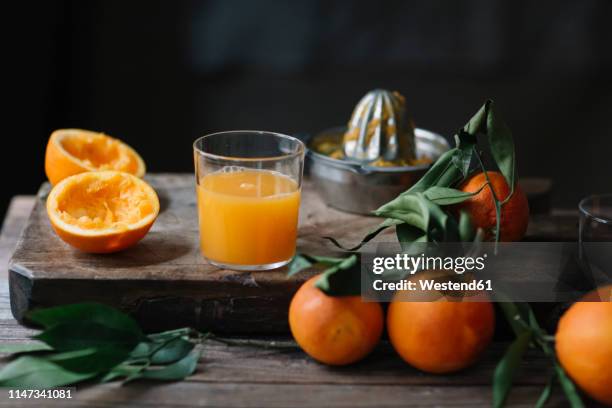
(253, 376)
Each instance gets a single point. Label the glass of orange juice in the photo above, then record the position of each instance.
(248, 187)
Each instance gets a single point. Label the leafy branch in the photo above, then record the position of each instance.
(339, 276)
(419, 215)
(91, 341)
(528, 334)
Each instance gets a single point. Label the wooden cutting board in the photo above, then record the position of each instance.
(164, 282)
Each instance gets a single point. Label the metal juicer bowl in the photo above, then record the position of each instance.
(359, 188)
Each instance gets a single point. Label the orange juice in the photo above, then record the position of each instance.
(248, 217)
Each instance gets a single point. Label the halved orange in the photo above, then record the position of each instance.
(102, 211)
(73, 151)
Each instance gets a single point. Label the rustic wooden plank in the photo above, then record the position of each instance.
(256, 364)
(244, 363)
(16, 217)
(251, 376)
(164, 282)
(19, 210)
(553, 228)
(259, 365)
(189, 394)
(170, 250)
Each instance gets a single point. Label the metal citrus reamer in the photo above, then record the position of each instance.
(380, 131)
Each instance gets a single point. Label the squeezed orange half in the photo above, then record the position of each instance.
(102, 211)
(248, 217)
(74, 151)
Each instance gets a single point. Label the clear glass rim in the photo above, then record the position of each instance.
(300, 151)
(582, 206)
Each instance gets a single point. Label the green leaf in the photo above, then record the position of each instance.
(409, 208)
(94, 339)
(142, 350)
(523, 320)
(512, 314)
(24, 347)
(172, 351)
(416, 210)
(408, 233)
(70, 355)
(84, 334)
(489, 122)
(342, 279)
(439, 223)
(172, 372)
(545, 395)
(502, 146)
(450, 229)
(496, 200)
(447, 195)
(462, 159)
(466, 229)
(90, 360)
(298, 264)
(533, 322)
(507, 367)
(37, 372)
(79, 312)
(568, 387)
(442, 173)
(303, 261)
(477, 123)
(123, 370)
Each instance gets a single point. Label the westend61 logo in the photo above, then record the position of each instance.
(412, 264)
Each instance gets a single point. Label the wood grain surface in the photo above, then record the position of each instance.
(164, 281)
(253, 376)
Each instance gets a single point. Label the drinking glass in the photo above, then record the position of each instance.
(595, 236)
(248, 187)
(596, 218)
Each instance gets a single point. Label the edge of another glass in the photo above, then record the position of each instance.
(582, 206)
(298, 153)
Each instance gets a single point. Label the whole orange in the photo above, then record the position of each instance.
(334, 330)
(481, 207)
(584, 344)
(441, 336)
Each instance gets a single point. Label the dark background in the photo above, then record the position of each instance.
(158, 74)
